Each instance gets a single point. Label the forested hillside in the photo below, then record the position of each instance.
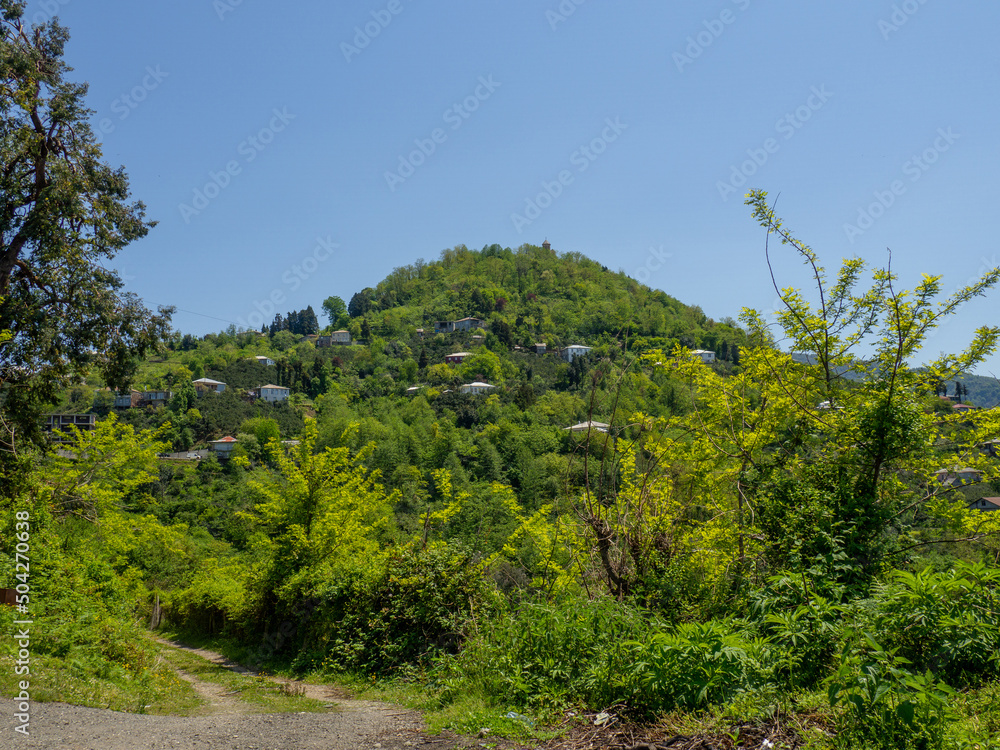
(381, 521)
(541, 295)
(513, 483)
(522, 491)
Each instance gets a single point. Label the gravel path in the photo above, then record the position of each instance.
(353, 725)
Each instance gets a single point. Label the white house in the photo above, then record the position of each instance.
(704, 355)
(223, 448)
(450, 326)
(340, 337)
(954, 476)
(207, 384)
(476, 388)
(274, 393)
(265, 360)
(573, 351)
(587, 426)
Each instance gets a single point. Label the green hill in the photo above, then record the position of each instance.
(540, 295)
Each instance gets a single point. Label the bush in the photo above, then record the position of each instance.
(418, 606)
(549, 655)
(697, 665)
(946, 622)
(886, 706)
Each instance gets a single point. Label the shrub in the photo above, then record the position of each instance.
(886, 706)
(946, 622)
(549, 655)
(416, 607)
(696, 665)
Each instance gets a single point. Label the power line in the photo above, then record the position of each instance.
(212, 317)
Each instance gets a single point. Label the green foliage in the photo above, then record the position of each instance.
(550, 655)
(803, 639)
(886, 706)
(214, 600)
(830, 465)
(65, 214)
(336, 312)
(697, 665)
(945, 622)
(85, 633)
(417, 605)
(108, 468)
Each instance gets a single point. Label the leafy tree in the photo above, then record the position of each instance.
(320, 505)
(110, 465)
(833, 468)
(336, 311)
(503, 333)
(483, 364)
(262, 428)
(278, 324)
(63, 215)
(307, 322)
(361, 302)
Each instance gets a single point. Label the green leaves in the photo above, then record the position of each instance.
(63, 215)
(698, 664)
(106, 468)
(319, 504)
(886, 705)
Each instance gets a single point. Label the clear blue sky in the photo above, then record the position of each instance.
(647, 121)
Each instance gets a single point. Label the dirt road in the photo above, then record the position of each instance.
(229, 724)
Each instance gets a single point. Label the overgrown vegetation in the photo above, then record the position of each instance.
(785, 531)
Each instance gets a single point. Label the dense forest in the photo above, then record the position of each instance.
(527, 488)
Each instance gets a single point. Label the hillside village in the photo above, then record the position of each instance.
(527, 425)
(508, 497)
(438, 374)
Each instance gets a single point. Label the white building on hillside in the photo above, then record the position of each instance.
(207, 384)
(274, 393)
(223, 448)
(573, 351)
(476, 388)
